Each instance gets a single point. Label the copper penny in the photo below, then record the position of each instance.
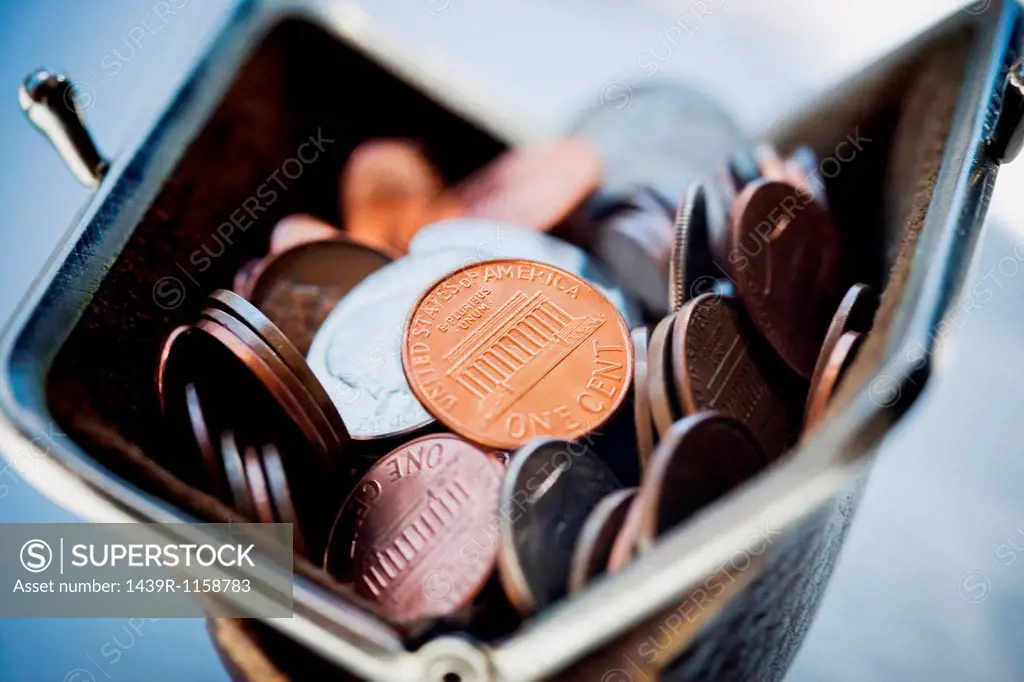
(549, 491)
(855, 313)
(594, 545)
(641, 398)
(280, 494)
(248, 314)
(234, 467)
(534, 187)
(715, 368)
(387, 187)
(783, 256)
(257, 484)
(691, 266)
(698, 461)
(297, 289)
(506, 351)
(243, 276)
(167, 385)
(664, 410)
(417, 536)
(212, 464)
(298, 229)
(838, 362)
(624, 545)
(273, 379)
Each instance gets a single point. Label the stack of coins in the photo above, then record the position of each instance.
(434, 393)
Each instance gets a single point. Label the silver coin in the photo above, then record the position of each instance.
(691, 266)
(357, 352)
(491, 239)
(548, 492)
(663, 135)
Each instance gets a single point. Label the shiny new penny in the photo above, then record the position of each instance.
(387, 187)
(691, 266)
(855, 313)
(836, 365)
(699, 460)
(594, 545)
(534, 187)
(506, 351)
(281, 495)
(664, 410)
(257, 483)
(549, 491)
(641, 398)
(714, 367)
(417, 535)
(492, 240)
(783, 256)
(250, 316)
(298, 288)
(234, 467)
(294, 230)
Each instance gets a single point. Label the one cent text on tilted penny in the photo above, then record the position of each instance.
(506, 351)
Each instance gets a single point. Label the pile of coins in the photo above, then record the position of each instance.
(436, 396)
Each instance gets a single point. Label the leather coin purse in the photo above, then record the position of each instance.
(919, 135)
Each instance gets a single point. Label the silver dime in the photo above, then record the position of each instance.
(357, 352)
(491, 239)
(548, 492)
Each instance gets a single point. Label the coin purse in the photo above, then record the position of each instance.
(916, 141)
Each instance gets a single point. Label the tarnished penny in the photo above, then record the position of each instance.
(234, 467)
(357, 353)
(257, 484)
(212, 463)
(298, 288)
(280, 494)
(248, 314)
(664, 410)
(699, 460)
(388, 187)
(855, 314)
(534, 187)
(783, 257)
(594, 545)
(243, 276)
(170, 358)
(417, 535)
(294, 230)
(842, 355)
(274, 380)
(715, 368)
(624, 545)
(506, 351)
(691, 266)
(549, 491)
(641, 398)
(491, 240)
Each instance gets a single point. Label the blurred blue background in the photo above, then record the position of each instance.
(927, 587)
